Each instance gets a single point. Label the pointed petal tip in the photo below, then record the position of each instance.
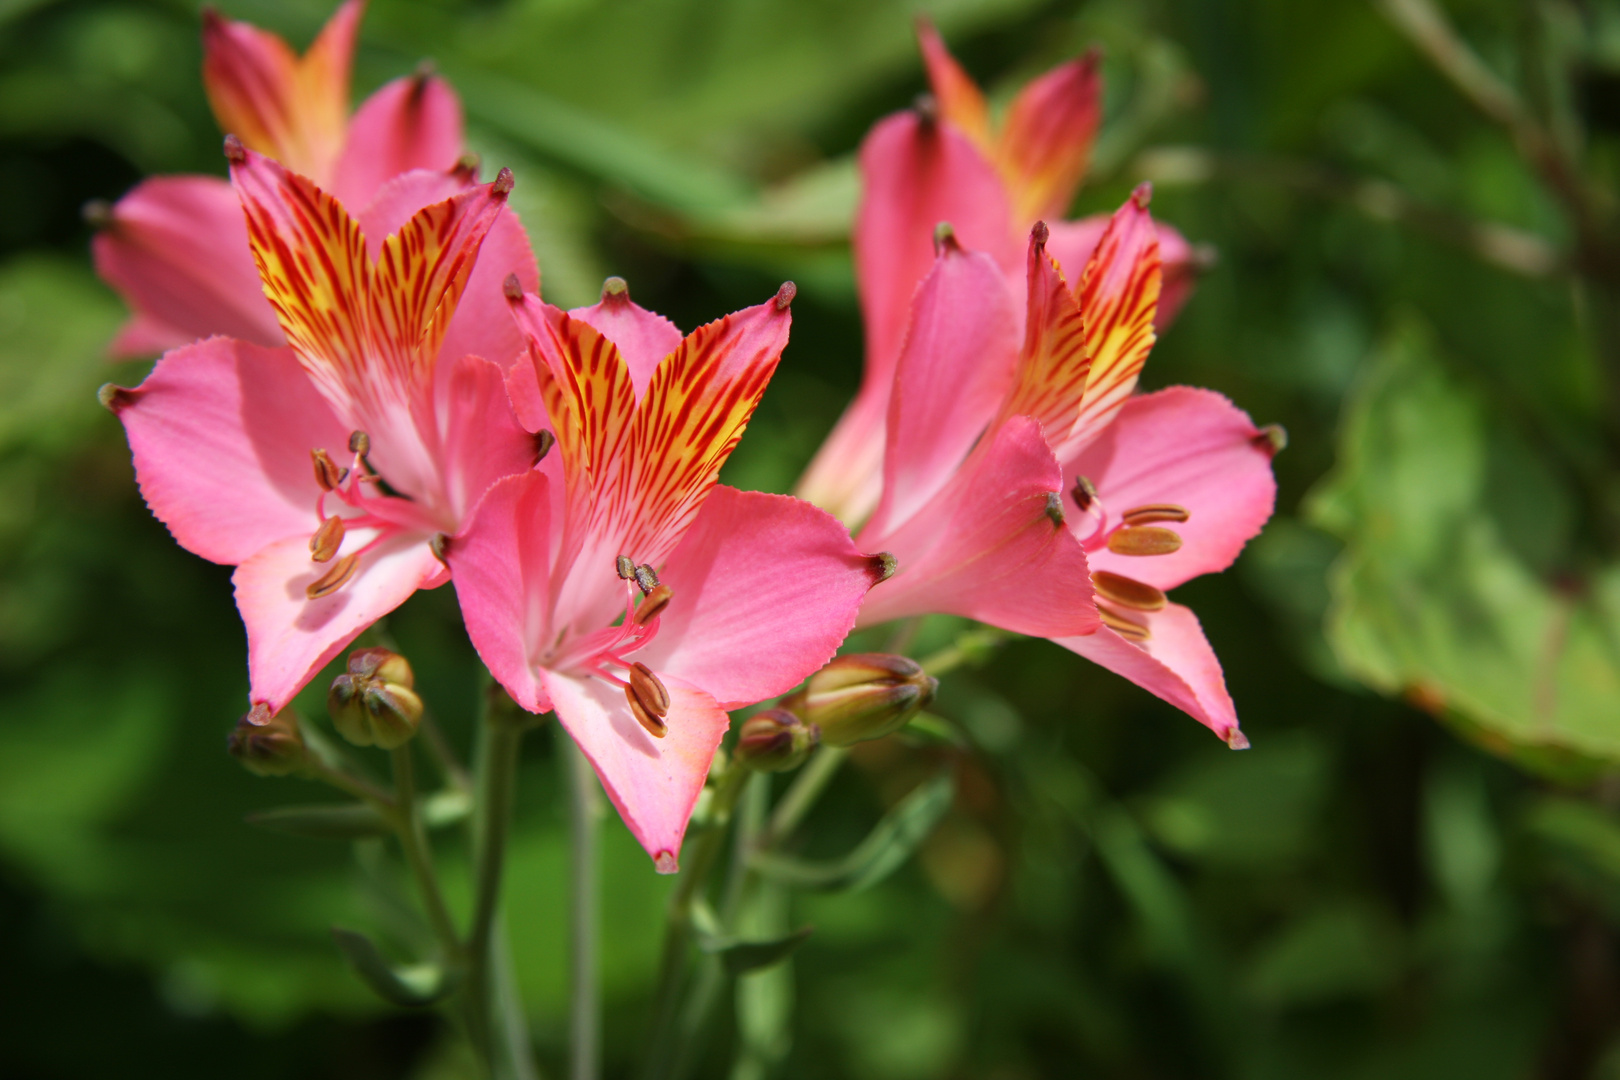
(114, 398)
(504, 182)
(1143, 194)
(1092, 58)
(926, 106)
(945, 239)
(1054, 508)
(425, 70)
(884, 565)
(97, 213)
(1272, 439)
(235, 152)
(1040, 234)
(785, 295)
(512, 288)
(665, 863)
(466, 167)
(615, 288)
(1236, 739)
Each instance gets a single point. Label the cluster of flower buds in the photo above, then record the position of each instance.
(863, 696)
(268, 744)
(373, 703)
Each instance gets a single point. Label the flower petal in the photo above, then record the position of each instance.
(643, 337)
(957, 96)
(765, 589)
(501, 566)
(176, 250)
(1045, 143)
(291, 637)
(482, 440)
(953, 373)
(1053, 365)
(1192, 448)
(654, 783)
(1176, 664)
(410, 123)
(221, 433)
(987, 548)
(1073, 243)
(295, 110)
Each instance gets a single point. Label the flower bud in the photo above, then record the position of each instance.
(863, 696)
(268, 745)
(373, 703)
(775, 740)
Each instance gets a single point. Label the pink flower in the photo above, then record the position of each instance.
(946, 163)
(176, 247)
(741, 595)
(384, 389)
(1026, 487)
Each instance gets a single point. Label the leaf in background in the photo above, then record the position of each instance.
(413, 986)
(1428, 597)
(1341, 949)
(740, 956)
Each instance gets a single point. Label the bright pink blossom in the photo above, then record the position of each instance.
(1026, 487)
(176, 247)
(325, 470)
(617, 584)
(947, 163)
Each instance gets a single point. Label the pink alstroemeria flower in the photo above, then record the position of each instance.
(384, 387)
(1155, 489)
(176, 247)
(618, 584)
(946, 162)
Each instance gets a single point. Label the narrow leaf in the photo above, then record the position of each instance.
(325, 821)
(741, 957)
(413, 986)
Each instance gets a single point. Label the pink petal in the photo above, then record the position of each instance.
(1195, 449)
(643, 337)
(176, 250)
(1176, 664)
(956, 95)
(410, 123)
(654, 783)
(765, 589)
(501, 566)
(1045, 143)
(523, 390)
(986, 547)
(221, 433)
(956, 366)
(1073, 243)
(482, 440)
(290, 637)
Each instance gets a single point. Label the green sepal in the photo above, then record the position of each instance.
(414, 986)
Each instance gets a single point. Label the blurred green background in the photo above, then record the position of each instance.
(1366, 893)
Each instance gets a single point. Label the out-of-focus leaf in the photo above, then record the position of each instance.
(1342, 949)
(339, 821)
(885, 848)
(1428, 598)
(739, 956)
(413, 986)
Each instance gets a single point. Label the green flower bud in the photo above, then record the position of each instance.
(373, 703)
(268, 745)
(863, 696)
(775, 740)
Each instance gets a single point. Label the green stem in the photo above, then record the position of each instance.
(585, 1021)
(499, 737)
(806, 789)
(413, 839)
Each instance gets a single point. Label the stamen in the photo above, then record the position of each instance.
(1054, 508)
(1147, 515)
(649, 690)
(1084, 493)
(359, 443)
(1127, 592)
(327, 472)
(626, 568)
(653, 604)
(1125, 627)
(543, 442)
(327, 539)
(335, 578)
(1143, 540)
(646, 578)
(653, 725)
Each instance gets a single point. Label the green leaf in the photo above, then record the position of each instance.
(330, 821)
(413, 986)
(885, 848)
(740, 957)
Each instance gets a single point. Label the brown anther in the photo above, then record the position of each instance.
(1084, 492)
(335, 578)
(646, 578)
(543, 442)
(1143, 540)
(359, 443)
(97, 213)
(114, 398)
(1273, 439)
(327, 539)
(945, 238)
(653, 725)
(1125, 627)
(615, 288)
(504, 182)
(440, 546)
(885, 564)
(626, 568)
(785, 295)
(512, 287)
(1143, 194)
(653, 604)
(1040, 234)
(1127, 592)
(1152, 512)
(235, 152)
(649, 691)
(327, 472)
(1054, 508)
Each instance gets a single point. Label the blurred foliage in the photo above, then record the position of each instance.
(1111, 892)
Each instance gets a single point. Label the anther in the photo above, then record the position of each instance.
(97, 213)
(615, 288)
(653, 725)
(235, 152)
(512, 287)
(785, 295)
(327, 539)
(1084, 492)
(649, 691)
(504, 182)
(440, 546)
(327, 472)
(1054, 508)
(1152, 512)
(114, 398)
(1125, 627)
(885, 566)
(1142, 195)
(1127, 592)
(626, 568)
(646, 578)
(653, 604)
(945, 238)
(543, 442)
(1040, 234)
(1143, 540)
(335, 578)
(1273, 439)
(359, 443)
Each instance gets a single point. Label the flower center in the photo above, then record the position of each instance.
(359, 488)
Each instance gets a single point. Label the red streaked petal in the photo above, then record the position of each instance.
(1045, 144)
(1073, 243)
(643, 337)
(957, 96)
(1053, 365)
(410, 123)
